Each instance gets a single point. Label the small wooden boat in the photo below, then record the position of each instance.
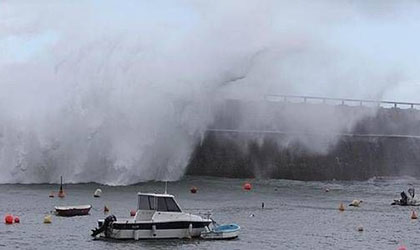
(222, 232)
(72, 210)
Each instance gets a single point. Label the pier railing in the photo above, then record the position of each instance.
(341, 101)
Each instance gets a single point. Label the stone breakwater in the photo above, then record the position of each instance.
(362, 143)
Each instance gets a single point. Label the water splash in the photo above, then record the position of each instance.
(120, 93)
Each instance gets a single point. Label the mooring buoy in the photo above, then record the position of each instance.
(47, 219)
(247, 186)
(341, 207)
(8, 219)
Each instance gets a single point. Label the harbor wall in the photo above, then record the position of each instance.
(364, 142)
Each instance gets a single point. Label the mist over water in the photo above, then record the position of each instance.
(121, 92)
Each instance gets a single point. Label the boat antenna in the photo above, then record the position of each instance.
(61, 183)
(166, 187)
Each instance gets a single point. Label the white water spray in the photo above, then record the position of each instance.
(120, 92)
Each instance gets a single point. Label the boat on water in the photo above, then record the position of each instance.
(158, 216)
(72, 210)
(407, 200)
(221, 232)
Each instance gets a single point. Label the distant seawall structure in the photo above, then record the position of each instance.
(311, 138)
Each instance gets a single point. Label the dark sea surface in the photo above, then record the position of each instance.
(297, 215)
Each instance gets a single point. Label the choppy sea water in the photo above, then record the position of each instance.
(297, 215)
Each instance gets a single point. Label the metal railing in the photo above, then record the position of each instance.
(314, 133)
(340, 101)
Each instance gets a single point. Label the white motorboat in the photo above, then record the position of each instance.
(158, 216)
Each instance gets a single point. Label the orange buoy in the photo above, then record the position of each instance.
(17, 220)
(8, 219)
(106, 209)
(61, 194)
(51, 195)
(133, 212)
(247, 186)
(414, 215)
(193, 190)
(341, 207)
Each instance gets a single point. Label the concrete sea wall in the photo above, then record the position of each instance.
(364, 142)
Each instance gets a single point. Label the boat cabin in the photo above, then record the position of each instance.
(157, 202)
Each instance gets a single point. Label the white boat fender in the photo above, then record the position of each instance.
(136, 234)
(154, 230)
(190, 228)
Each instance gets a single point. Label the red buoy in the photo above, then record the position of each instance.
(247, 186)
(193, 190)
(8, 219)
(133, 212)
(17, 220)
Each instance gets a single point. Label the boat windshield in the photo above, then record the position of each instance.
(144, 203)
(167, 204)
(162, 204)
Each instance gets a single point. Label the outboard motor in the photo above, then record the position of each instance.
(404, 198)
(105, 226)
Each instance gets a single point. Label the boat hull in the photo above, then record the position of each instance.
(161, 230)
(68, 212)
(220, 235)
(222, 232)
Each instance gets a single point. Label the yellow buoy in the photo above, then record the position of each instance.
(341, 207)
(413, 215)
(47, 219)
